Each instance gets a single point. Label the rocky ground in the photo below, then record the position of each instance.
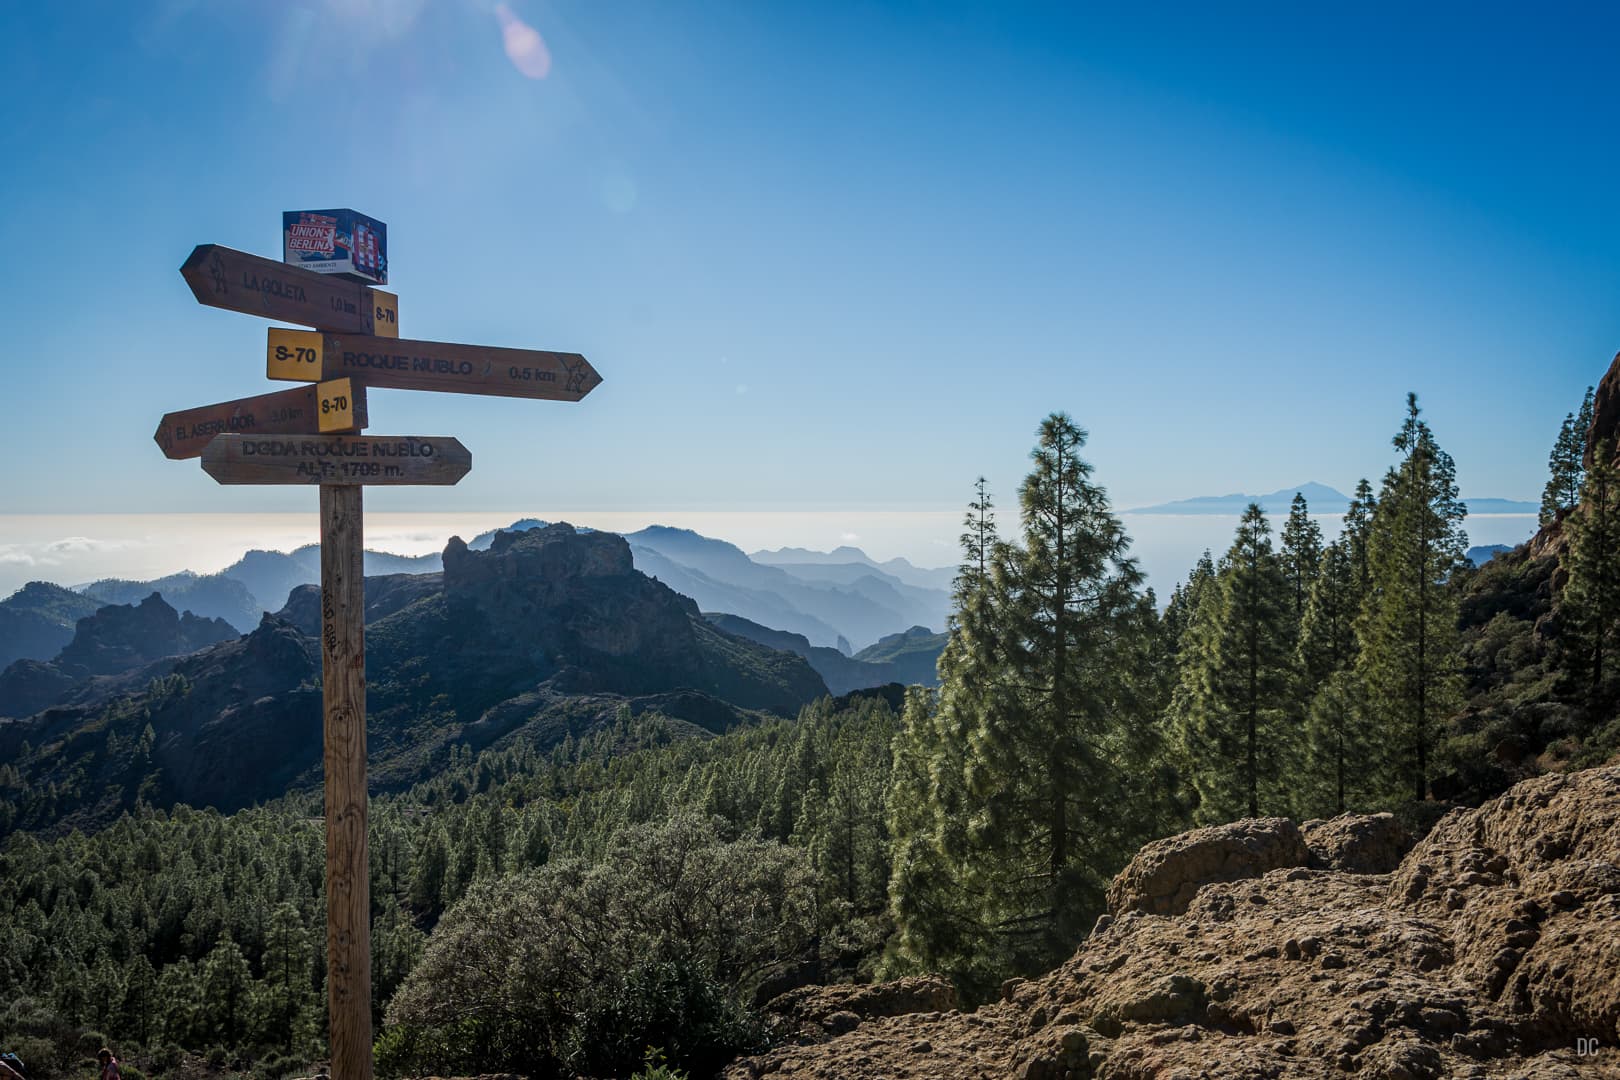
(1262, 949)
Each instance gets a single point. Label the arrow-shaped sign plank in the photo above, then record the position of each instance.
(236, 281)
(403, 364)
(347, 460)
(333, 406)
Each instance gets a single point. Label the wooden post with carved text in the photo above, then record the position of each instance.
(310, 436)
(343, 689)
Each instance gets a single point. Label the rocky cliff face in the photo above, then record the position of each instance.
(569, 611)
(1260, 949)
(113, 640)
(545, 635)
(1605, 412)
(120, 637)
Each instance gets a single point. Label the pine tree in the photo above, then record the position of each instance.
(286, 986)
(1357, 528)
(1407, 630)
(1043, 763)
(429, 870)
(1591, 598)
(1335, 737)
(1566, 463)
(927, 798)
(1340, 740)
(1236, 666)
(225, 982)
(1301, 553)
(1178, 613)
(1039, 710)
(139, 1008)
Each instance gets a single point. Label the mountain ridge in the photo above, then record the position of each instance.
(1320, 498)
(842, 602)
(549, 632)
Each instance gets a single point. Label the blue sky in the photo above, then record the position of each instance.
(827, 255)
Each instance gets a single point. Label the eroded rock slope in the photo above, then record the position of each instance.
(1262, 949)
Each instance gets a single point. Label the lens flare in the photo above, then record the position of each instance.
(524, 45)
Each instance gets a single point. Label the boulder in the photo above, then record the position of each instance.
(1165, 875)
(1356, 843)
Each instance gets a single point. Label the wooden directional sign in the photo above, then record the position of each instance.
(403, 364)
(236, 281)
(298, 411)
(286, 438)
(348, 460)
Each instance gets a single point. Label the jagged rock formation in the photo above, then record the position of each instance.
(1490, 950)
(113, 640)
(210, 595)
(569, 610)
(546, 635)
(120, 637)
(383, 596)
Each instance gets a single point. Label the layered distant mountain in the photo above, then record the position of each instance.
(841, 599)
(270, 575)
(853, 601)
(800, 560)
(212, 596)
(906, 658)
(112, 641)
(38, 619)
(1320, 498)
(549, 633)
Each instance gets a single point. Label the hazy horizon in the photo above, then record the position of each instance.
(75, 549)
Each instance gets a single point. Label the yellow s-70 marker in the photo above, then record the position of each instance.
(293, 355)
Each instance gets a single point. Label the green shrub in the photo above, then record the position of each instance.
(575, 969)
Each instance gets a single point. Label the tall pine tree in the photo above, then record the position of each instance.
(1357, 528)
(1236, 665)
(1407, 630)
(936, 928)
(1591, 598)
(1335, 730)
(1178, 613)
(1045, 765)
(1039, 676)
(1566, 463)
(1301, 553)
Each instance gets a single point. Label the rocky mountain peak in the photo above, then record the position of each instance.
(546, 559)
(120, 637)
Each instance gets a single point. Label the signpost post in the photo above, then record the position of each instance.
(308, 435)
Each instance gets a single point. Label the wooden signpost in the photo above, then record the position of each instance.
(347, 460)
(338, 405)
(402, 364)
(236, 281)
(307, 435)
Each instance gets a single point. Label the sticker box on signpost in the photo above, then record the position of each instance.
(336, 242)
